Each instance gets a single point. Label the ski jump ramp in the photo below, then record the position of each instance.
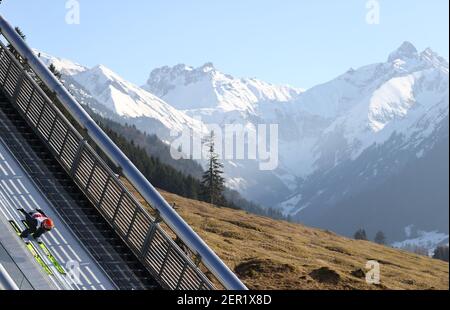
(49, 163)
(17, 191)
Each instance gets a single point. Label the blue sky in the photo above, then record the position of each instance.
(296, 42)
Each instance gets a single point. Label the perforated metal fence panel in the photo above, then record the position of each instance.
(172, 268)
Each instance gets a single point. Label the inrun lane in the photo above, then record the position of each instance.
(17, 190)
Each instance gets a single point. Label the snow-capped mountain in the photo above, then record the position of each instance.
(131, 102)
(206, 88)
(406, 96)
(381, 140)
(337, 120)
(344, 145)
(113, 97)
(424, 240)
(218, 98)
(65, 66)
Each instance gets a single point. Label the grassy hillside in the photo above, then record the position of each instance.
(271, 254)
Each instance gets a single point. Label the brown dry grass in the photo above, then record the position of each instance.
(270, 254)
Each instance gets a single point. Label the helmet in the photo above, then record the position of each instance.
(48, 224)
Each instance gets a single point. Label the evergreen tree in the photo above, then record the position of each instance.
(360, 234)
(420, 250)
(441, 253)
(13, 50)
(55, 71)
(44, 87)
(380, 238)
(213, 183)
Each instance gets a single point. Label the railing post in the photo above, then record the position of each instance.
(117, 208)
(40, 116)
(165, 260)
(180, 278)
(50, 135)
(102, 196)
(148, 239)
(3, 56)
(76, 161)
(91, 175)
(132, 222)
(66, 136)
(28, 103)
(7, 71)
(18, 86)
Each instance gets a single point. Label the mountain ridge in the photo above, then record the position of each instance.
(395, 106)
(221, 90)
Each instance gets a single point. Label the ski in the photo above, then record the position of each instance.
(32, 249)
(49, 254)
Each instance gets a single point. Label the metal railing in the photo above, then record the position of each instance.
(6, 282)
(19, 276)
(137, 228)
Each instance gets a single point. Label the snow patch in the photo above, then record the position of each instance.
(408, 230)
(429, 240)
(64, 66)
(289, 205)
(238, 184)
